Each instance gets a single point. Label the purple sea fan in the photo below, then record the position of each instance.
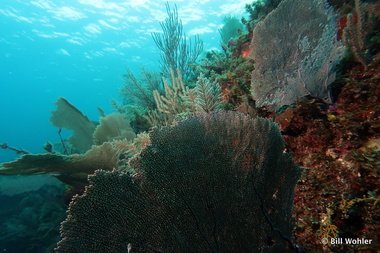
(295, 50)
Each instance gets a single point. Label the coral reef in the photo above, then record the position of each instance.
(353, 33)
(207, 95)
(177, 51)
(113, 127)
(86, 133)
(257, 11)
(230, 30)
(231, 71)
(217, 182)
(72, 170)
(30, 221)
(295, 51)
(359, 29)
(140, 91)
(175, 98)
(338, 146)
(69, 117)
(179, 101)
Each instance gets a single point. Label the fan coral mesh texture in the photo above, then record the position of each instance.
(215, 182)
(295, 50)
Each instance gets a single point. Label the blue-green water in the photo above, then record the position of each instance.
(79, 50)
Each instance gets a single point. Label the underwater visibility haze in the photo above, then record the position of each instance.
(80, 50)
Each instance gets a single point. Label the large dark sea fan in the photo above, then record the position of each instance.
(218, 182)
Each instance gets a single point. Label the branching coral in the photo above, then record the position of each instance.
(17, 150)
(207, 95)
(179, 100)
(361, 31)
(174, 99)
(140, 91)
(354, 33)
(177, 52)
